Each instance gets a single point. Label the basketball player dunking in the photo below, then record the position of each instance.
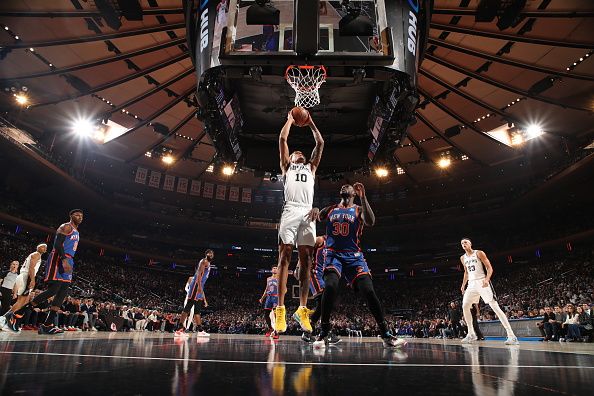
(270, 301)
(58, 273)
(196, 297)
(297, 227)
(344, 226)
(479, 285)
(24, 284)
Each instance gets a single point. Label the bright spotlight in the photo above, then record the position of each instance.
(21, 99)
(533, 131)
(168, 159)
(228, 170)
(381, 172)
(444, 162)
(84, 127)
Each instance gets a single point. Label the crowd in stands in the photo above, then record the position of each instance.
(108, 290)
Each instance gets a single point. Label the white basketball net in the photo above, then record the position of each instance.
(306, 81)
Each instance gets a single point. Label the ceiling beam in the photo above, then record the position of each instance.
(458, 118)
(525, 14)
(510, 37)
(466, 96)
(507, 61)
(157, 113)
(188, 151)
(114, 83)
(447, 139)
(164, 138)
(156, 89)
(82, 14)
(97, 37)
(404, 167)
(100, 62)
(499, 84)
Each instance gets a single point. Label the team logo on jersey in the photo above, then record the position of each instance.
(359, 269)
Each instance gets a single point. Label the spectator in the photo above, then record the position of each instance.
(454, 316)
(546, 326)
(8, 279)
(572, 324)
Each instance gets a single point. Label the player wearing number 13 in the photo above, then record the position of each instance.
(296, 227)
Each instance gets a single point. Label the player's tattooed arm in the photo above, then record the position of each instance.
(366, 213)
(283, 146)
(316, 155)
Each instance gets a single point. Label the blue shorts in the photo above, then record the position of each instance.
(316, 280)
(54, 268)
(350, 264)
(271, 302)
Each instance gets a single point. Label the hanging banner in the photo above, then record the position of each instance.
(182, 185)
(246, 195)
(141, 174)
(169, 183)
(221, 191)
(234, 194)
(195, 188)
(207, 191)
(155, 179)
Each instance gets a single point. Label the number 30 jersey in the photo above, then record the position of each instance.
(343, 229)
(474, 266)
(299, 183)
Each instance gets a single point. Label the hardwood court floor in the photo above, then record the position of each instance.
(157, 364)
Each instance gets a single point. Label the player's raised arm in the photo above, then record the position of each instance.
(483, 257)
(366, 213)
(283, 146)
(316, 154)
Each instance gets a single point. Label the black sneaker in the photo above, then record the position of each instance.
(49, 330)
(11, 323)
(332, 339)
(321, 341)
(307, 337)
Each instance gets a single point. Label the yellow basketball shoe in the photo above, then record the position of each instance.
(302, 317)
(280, 324)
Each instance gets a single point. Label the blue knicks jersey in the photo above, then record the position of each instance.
(70, 242)
(343, 229)
(272, 287)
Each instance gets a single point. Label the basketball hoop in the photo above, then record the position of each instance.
(306, 81)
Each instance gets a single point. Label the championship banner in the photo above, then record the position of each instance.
(208, 189)
(246, 195)
(155, 179)
(221, 191)
(234, 194)
(169, 183)
(195, 188)
(141, 174)
(182, 185)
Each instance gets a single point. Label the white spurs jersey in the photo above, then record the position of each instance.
(474, 266)
(27, 264)
(299, 184)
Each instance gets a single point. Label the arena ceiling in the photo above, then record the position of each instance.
(474, 78)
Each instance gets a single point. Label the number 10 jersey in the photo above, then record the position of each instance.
(299, 184)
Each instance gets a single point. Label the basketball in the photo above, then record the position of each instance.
(300, 115)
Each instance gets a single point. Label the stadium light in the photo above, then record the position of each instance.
(167, 159)
(228, 170)
(533, 131)
(83, 127)
(21, 99)
(444, 162)
(381, 172)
